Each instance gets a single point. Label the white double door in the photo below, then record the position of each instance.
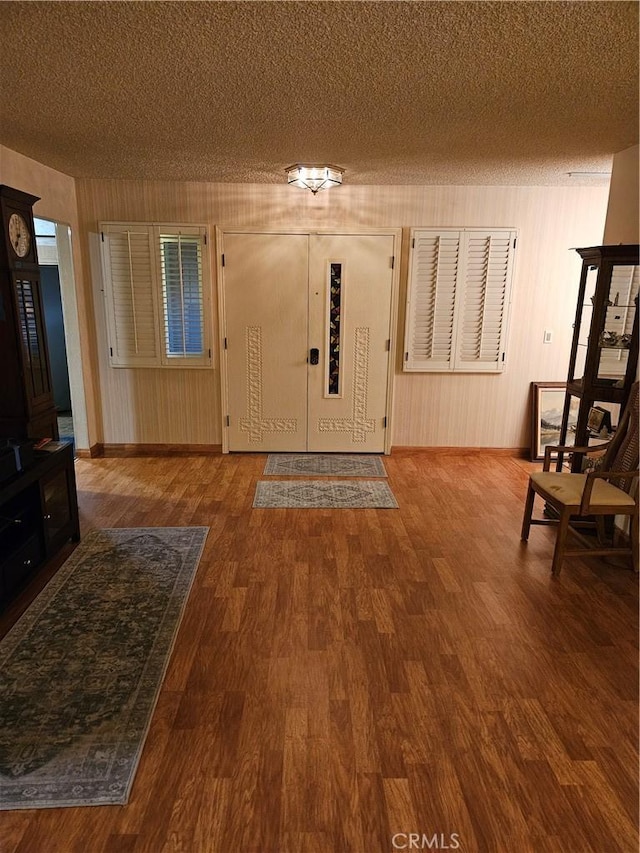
(306, 321)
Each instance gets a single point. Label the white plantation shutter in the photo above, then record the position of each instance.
(458, 300)
(129, 276)
(156, 287)
(430, 310)
(485, 296)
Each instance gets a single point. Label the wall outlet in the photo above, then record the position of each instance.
(548, 336)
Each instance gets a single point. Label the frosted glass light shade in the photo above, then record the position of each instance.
(314, 178)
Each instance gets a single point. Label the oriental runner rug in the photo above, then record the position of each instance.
(332, 494)
(324, 464)
(81, 670)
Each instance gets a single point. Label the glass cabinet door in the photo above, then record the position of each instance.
(614, 339)
(604, 325)
(604, 350)
(585, 320)
(34, 347)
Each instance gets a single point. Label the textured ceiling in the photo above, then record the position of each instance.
(397, 93)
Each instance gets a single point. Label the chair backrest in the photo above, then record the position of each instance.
(622, 453)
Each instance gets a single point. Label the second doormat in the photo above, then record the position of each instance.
(317, 494)
(324, 464)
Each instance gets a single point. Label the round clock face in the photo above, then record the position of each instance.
(19, 235)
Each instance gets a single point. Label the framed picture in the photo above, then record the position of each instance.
(598, 420)
(547, 406)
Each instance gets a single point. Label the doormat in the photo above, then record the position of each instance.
(324, 464)
(81, 670)
(318, 494)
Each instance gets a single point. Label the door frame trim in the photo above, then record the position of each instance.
(396, 233)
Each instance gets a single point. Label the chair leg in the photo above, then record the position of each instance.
(526, 518)
(634, 541)
(561, 538)
(601, 530)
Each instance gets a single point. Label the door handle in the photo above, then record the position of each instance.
(314, 356)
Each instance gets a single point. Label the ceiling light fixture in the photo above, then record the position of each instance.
(314, 177)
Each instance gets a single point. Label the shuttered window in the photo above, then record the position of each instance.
(458, 300)
(157, 295)
(181, 265)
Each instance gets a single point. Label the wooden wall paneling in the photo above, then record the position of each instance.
(468, 410)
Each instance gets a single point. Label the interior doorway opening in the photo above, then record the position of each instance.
(53, 241)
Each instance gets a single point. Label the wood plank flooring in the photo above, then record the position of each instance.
(343, 678)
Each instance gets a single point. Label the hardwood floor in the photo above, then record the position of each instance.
(343, 678)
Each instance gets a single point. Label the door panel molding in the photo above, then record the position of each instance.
(359, 425)
(255, 424)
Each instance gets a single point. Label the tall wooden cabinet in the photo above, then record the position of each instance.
(27, 408)
(604, 352)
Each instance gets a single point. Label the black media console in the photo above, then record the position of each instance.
(38, 515)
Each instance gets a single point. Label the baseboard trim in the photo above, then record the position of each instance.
(513, 452)
(94, 452)
(122, 450)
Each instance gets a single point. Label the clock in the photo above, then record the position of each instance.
(27, 408)
(19, 235)
(17, 244)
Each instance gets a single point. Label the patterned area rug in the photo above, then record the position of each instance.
(80, 672)
(318, 494)
(326, 464)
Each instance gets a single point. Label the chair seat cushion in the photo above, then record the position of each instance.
(567, 489)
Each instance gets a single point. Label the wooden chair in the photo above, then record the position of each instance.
(586, 499)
